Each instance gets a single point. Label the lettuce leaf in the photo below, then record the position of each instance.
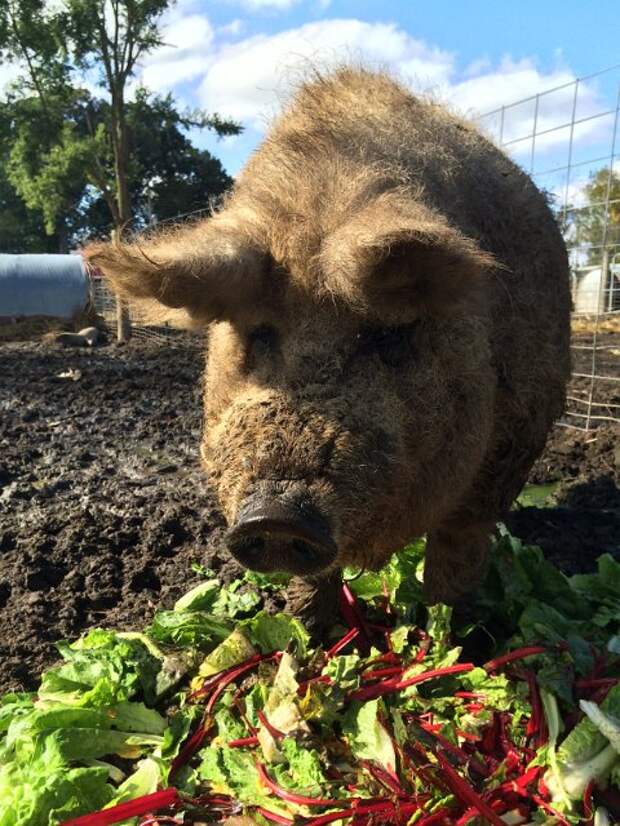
(366, 735)
(587, 754)
(200, 598)
(276, 632)
(45, 791)
(189, 628)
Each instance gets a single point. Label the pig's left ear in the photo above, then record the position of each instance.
(400, 261)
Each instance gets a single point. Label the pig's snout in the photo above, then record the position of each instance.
(270, 535)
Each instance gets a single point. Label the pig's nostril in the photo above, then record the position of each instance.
(251, 548)
(272, 536)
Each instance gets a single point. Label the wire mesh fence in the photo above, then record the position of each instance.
(165, 333)
(568, 139)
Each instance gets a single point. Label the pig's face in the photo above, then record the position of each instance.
(330, 436)
(304, 438)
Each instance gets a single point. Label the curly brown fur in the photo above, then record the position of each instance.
(391, 323)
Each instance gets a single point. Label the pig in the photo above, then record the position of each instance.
(387, 303)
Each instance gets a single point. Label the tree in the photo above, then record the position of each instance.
(48, 153)
(69, 148)
(168, 175)
(597, 222)
(21, 229)
(83, 137)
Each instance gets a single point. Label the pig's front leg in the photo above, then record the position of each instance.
(315, 602)
(456, 560)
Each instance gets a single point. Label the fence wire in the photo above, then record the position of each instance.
(568, 139)
(165, 333)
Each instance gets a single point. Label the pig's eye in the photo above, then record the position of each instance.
(262, 342)
(393, 345)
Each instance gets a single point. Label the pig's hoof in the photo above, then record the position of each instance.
(314, 602)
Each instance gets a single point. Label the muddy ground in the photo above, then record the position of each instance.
(103, 508)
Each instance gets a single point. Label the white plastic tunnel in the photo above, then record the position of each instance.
(42, 285)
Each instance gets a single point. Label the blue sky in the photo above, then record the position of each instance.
(240, 57)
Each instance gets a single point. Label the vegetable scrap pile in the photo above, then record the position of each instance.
(408, 715)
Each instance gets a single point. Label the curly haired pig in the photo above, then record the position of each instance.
(387, 298)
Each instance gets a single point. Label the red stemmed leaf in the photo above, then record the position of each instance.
(275, 733)
(292, 797)
(387, 779)
(234, 673)
(465, 793)
(389, 686)
(550, 810)
(381, 673)
(123, 811)
(273, 816)
(457, 752)
(352, 613)
(241, 742)
(337, 647)
(514, 656)
(190, 747)
(225, 678)
(370, 813)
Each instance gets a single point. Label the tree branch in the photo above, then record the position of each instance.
(25, 54)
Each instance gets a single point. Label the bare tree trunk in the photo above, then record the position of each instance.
(123, 201)
(123, 319)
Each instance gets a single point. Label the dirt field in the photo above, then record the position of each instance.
(103, 508)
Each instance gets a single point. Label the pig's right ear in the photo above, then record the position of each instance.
(398, 260)
(209, 270)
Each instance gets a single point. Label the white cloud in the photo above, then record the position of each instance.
(185, 34)
(233, 28)
(256, 5)
(162, 76)
(477, 67)
(533, 103)
(188, 40)
(249, 79)
(511, 81)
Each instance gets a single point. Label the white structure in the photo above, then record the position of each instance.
(596, 290)
(42, 285)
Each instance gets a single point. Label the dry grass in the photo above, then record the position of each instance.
(31, 329)
(588, 323)
(35, 328)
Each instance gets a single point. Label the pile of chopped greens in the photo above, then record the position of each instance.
(409, 714)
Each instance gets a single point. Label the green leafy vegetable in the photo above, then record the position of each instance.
(276, 632)
(391, 723)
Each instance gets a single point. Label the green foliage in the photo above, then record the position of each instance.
(46, 791)
(598, 221)
(341, 739)
(84, 162)
(367, 736)
(276, 632)
(188, 628)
